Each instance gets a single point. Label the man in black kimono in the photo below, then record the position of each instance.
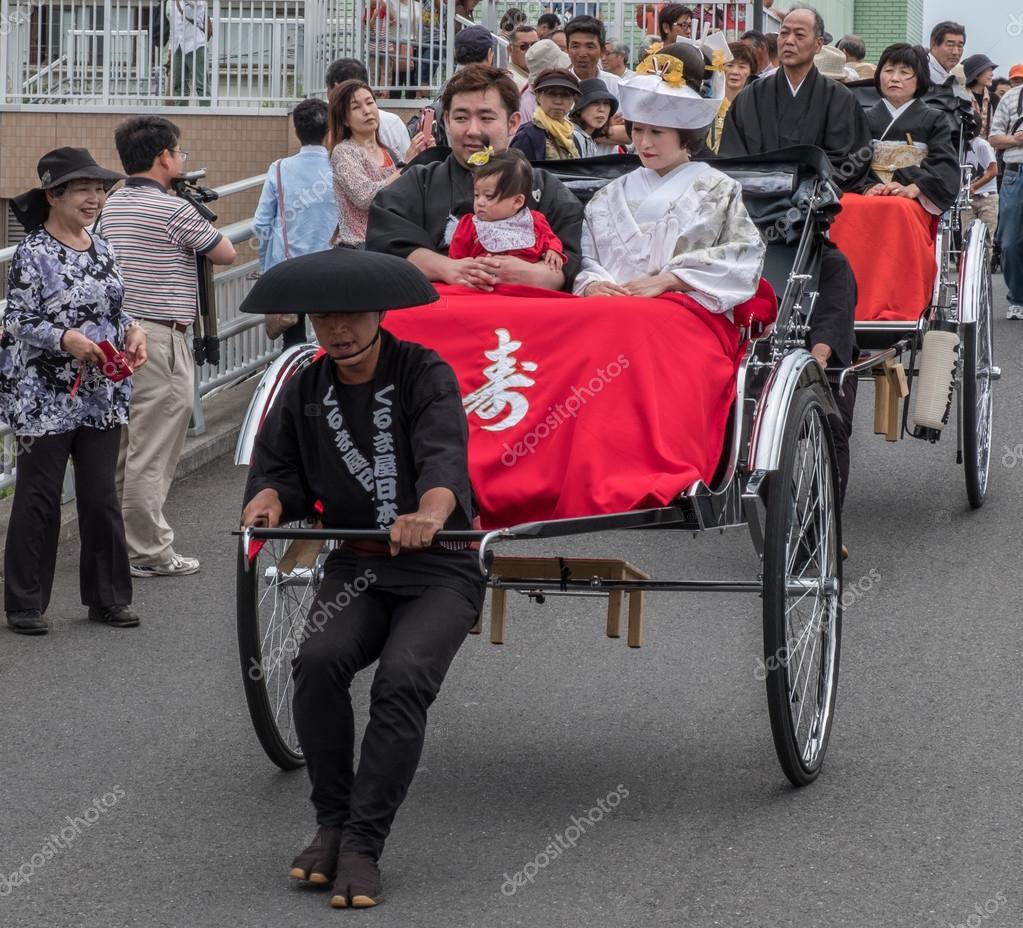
(372, 436)
(416, 216)
(798, 106)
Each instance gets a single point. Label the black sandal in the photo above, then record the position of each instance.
(358, 882)
(317, 864)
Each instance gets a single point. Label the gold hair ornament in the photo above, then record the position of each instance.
(481, 157)
(668, 68)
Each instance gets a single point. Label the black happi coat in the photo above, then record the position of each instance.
(938, 176)
(417, 210)
(367, 453)
(766, 116)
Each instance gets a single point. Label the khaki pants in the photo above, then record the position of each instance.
(151, 443)
(986, 210)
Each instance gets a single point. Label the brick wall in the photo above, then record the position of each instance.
(882, 22)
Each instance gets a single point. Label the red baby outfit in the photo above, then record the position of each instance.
(505, 237)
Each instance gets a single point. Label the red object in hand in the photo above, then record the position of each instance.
(115, 367)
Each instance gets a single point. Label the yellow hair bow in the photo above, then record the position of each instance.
(666, 67)
(717, 61)
(481, 157)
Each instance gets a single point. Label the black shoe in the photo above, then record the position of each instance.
(118, 616)
(358, 882)
(318, 862)
(28, 622)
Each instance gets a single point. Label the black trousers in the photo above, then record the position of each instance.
(31, 554)
(833, 324)
(415, 639)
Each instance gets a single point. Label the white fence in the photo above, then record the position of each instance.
(244, 347)
(267, 53)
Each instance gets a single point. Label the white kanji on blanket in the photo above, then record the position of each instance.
(498, 393)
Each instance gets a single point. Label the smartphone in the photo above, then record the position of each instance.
(427, 123)
(115, 368)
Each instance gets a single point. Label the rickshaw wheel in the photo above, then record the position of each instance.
(271, 615)
(976, 394)
(802, 591)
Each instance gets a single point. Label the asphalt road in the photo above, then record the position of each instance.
(143, 736)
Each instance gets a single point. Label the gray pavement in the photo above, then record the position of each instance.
(143, 736)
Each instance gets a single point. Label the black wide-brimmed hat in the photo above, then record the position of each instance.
(594, 90)
(976, 65)
(556, 77)
(55, 168)
(341, 280)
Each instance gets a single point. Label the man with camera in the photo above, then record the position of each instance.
(156, 238)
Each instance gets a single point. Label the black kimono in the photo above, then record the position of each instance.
(938, 175)
(367, 453)
(766, 116)
(422, 208)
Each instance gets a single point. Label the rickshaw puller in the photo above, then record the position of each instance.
(375, 432)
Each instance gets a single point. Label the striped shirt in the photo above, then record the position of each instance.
(156, 238)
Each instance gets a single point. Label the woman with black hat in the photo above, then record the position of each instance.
(64, 390)
(979, 72)
(551, 134)
(374, 432)
(592, 117)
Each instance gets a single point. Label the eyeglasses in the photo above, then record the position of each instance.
(525, 46)
(178, 151)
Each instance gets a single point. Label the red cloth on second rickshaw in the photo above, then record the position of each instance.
(889, 242)
(580, 406)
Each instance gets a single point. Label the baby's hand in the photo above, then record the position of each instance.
(553, 260)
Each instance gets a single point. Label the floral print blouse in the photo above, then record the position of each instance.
(52, 288)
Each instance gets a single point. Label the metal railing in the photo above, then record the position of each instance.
(269, 53)
(244, 347)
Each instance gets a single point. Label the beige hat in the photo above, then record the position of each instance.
(830, 61)
(544, 55)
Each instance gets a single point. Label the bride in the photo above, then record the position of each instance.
(672, 224)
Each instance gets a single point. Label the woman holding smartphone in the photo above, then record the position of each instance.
(361, 164)
(66, 348)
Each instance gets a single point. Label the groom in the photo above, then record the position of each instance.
(415, 216)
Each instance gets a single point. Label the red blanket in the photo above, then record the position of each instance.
(889, 242)
(579, 406)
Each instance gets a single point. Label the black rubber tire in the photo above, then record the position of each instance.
(807, 424)
(977, 397)
(282, 750)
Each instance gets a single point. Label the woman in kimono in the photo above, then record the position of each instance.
(913, 152)
(672, 224)
(372, 435)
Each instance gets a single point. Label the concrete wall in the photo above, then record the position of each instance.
(229, 147)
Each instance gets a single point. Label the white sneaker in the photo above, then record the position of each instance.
(177, 566)
(1014, 312)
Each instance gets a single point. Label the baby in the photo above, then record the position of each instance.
(500, 223)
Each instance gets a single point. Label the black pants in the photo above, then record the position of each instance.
(31, 554)
(841, 429)
(415, 639)
(833, 324)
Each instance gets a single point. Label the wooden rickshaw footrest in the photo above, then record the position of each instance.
(557, 568)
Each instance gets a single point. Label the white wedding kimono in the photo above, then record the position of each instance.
(690, 222)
